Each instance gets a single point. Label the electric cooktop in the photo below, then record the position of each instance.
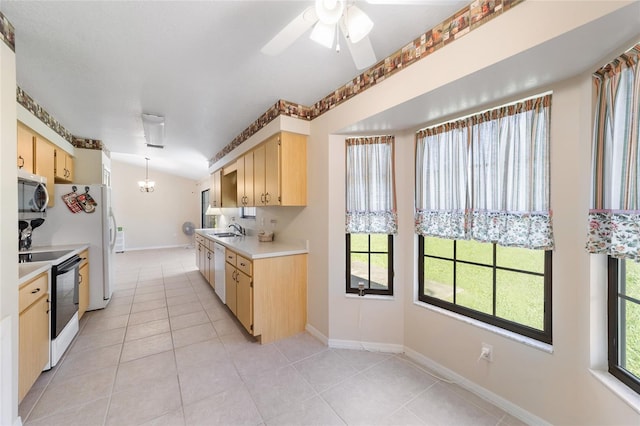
(42, 256)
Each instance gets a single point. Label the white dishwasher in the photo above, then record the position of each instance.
(219, 256)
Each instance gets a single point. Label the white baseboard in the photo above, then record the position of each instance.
(317, 334)
(18, 421)
(472, 387)
(366, 346)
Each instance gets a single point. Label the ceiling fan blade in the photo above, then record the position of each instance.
(362, 53)
(291, 32)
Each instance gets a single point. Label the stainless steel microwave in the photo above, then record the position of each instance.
(32, 196)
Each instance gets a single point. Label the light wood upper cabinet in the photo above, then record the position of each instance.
(223, 192)
(83, 284)
(45, 154)
(25, 148)
(245, 171)
(33, 349)
(216, 189)
(280, 171)
(64, 166)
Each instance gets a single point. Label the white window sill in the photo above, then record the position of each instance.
(369, 296)
(618, 388)
(497, 330)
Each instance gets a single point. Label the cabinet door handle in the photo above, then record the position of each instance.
(79, 279)
(267, 197)
(35, 291)
(21, 165)
(48, 305)
(242, 264)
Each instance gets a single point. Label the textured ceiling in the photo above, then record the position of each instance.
(96, 66)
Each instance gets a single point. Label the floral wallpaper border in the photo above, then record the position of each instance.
(279, 108)
(467, 19)
(34, 108)
(7, 32)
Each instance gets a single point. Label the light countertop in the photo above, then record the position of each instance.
(251, 248)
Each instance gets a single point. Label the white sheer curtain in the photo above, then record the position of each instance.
(501, 176)
(441, 180)
(371, 204)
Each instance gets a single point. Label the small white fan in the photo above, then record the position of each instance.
(188, 229)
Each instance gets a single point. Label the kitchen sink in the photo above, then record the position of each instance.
(225, 234)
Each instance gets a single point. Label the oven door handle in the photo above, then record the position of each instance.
(70, 266)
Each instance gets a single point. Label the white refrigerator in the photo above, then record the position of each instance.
(98, 229)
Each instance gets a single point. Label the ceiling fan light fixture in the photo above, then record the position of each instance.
(323, 34)
(329, 11)
(358, 24)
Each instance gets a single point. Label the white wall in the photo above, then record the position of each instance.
(153, 220)
(8, 240)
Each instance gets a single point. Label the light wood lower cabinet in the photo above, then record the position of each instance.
(269, 295)
(83, 284)
(204, 259)
(33, 349)
(239, 288)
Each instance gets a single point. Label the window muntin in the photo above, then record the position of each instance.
(248, 212)
(504, 286)
(624, 321)
(370, 261)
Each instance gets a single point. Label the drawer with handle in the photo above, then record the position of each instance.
(33, 290)
(243, 265)
(231, 257)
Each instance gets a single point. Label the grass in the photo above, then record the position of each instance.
(632, 320)
(519, 296)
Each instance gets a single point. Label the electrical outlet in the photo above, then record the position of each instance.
(486, 352)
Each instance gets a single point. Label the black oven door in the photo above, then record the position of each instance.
(64, 293)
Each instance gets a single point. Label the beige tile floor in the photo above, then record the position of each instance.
(166, 351)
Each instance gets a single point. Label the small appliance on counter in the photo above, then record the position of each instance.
(26, 231)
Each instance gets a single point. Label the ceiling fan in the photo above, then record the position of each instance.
(328, 18)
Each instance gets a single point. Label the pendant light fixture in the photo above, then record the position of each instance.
(146, 185)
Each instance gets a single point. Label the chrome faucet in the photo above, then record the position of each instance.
(238, 228)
